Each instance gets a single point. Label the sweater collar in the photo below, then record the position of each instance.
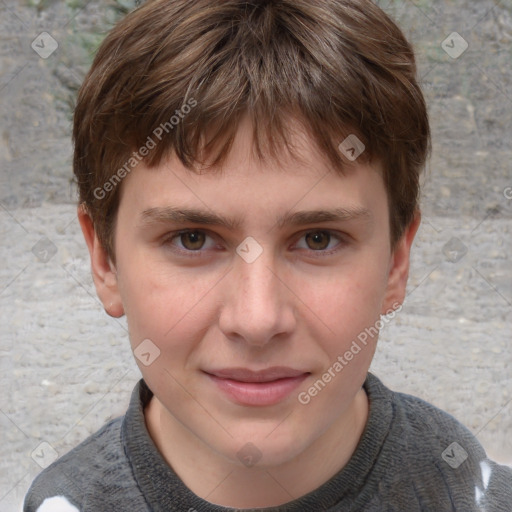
(164, 490)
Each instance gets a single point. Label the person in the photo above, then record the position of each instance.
(249, 177)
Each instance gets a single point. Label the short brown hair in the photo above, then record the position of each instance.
(188, 70)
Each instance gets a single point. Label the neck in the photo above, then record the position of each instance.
(218, 480)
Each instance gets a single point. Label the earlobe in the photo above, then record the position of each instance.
(103, 271)
(399, 269)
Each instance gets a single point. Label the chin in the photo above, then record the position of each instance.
(264, 451)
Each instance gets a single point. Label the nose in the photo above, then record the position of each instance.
(258, 305)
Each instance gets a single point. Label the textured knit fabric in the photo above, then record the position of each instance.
(411, 457)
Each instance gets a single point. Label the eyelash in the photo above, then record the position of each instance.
(342, 241)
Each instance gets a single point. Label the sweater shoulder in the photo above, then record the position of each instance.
(437, 445)
(87, 466)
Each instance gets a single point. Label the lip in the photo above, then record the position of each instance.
(257, 387)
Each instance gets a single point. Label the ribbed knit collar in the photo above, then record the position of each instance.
(164, 491)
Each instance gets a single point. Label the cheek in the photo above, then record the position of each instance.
(355, 292)
(346, 303)
(162, 305)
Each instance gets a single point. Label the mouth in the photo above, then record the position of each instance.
(257, 388)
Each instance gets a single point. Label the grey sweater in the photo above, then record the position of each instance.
(411, 457)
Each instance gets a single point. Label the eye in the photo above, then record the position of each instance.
(188, 241)
(193, 242)
(321, 241)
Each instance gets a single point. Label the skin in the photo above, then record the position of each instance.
(300, 304)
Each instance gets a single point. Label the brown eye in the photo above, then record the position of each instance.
(192, 240)
(318, 240)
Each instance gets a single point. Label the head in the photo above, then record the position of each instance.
(228, 118)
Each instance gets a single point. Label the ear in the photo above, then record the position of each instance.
(399, 267)
(103, 271)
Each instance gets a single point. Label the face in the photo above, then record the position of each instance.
(252, 286)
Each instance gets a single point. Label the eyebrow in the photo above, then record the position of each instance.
(204, 217)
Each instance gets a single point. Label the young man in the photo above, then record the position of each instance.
(248, 175)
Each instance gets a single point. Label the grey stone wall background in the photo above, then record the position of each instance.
(66, 367)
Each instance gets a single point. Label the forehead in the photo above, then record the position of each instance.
(253, 186)
(247, 193)
(300, 157)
